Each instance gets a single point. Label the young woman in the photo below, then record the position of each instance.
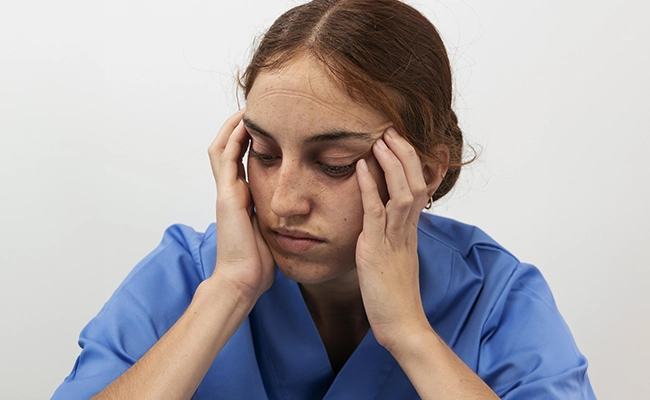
(322, 277)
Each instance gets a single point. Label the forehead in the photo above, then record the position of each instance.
(304, 93)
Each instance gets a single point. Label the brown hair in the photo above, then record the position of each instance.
(385, 53)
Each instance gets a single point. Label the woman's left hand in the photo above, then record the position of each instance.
(386, 255)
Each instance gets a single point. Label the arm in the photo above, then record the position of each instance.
(435, 370)
(174, 367)
(387, 265)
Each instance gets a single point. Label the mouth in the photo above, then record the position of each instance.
(295, 241)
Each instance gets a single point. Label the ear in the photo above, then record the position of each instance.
(435, 169)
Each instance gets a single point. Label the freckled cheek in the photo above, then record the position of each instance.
(259, 184)
(345, 207)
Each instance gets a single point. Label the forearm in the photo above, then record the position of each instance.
(174, 367)
(435, 370)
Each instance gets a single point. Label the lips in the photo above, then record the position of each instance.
(295, 241)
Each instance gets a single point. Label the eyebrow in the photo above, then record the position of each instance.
(327, 136)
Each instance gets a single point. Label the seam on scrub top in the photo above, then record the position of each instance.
(491, 243)
(552, 307)
(455, 250)
(386, 379)
(498, 300)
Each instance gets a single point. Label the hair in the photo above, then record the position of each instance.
(383, 52)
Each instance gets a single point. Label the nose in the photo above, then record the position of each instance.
(290, 195)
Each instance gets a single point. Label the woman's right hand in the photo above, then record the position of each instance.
(176, 364)
(243, 257)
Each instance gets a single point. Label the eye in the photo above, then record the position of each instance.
(338, 171)
(263, 158)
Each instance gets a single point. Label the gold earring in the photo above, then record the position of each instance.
(429, 203)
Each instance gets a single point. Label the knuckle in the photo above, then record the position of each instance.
(376, 209)
(420, 191)
(410, 152)
(404, 201)
(213, 150)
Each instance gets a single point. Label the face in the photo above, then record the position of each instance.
(306, 136)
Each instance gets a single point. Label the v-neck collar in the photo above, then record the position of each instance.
(291, 353)
(293, 360)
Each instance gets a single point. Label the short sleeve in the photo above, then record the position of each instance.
(149, 301)
(527, 350)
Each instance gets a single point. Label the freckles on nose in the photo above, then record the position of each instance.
(290, 194)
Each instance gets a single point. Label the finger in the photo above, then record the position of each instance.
(230, 162)
(374, 213)
(400, 198)
(218, 145)
(412, 166)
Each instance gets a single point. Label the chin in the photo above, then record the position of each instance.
(311, 273)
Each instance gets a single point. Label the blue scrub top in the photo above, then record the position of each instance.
(497, 314)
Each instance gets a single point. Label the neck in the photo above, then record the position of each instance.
(339, 299)
(338, 313)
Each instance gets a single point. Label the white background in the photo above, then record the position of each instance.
(107, 109)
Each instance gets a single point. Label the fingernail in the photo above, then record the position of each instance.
(382, 144)
(392, 133)
(363, 165)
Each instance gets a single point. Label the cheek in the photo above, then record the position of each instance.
(256, 183)
(345, 208)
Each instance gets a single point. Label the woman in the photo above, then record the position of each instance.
(328, 281)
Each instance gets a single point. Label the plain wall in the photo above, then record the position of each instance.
(107, 109)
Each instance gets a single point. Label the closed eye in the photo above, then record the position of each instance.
(264, 158)
(338, 171)
(333, 171)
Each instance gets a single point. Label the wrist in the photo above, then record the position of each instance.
(412, 341)
(216, 292)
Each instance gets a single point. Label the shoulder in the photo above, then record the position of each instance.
(463, 254)
(457, 236)
(461, 269)
(179, 243)
(477, 269)
(145, 305)
(497, 313)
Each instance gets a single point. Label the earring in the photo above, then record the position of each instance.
(429, 203)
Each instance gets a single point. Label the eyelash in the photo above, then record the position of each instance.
(264, 158)
(335, 171)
